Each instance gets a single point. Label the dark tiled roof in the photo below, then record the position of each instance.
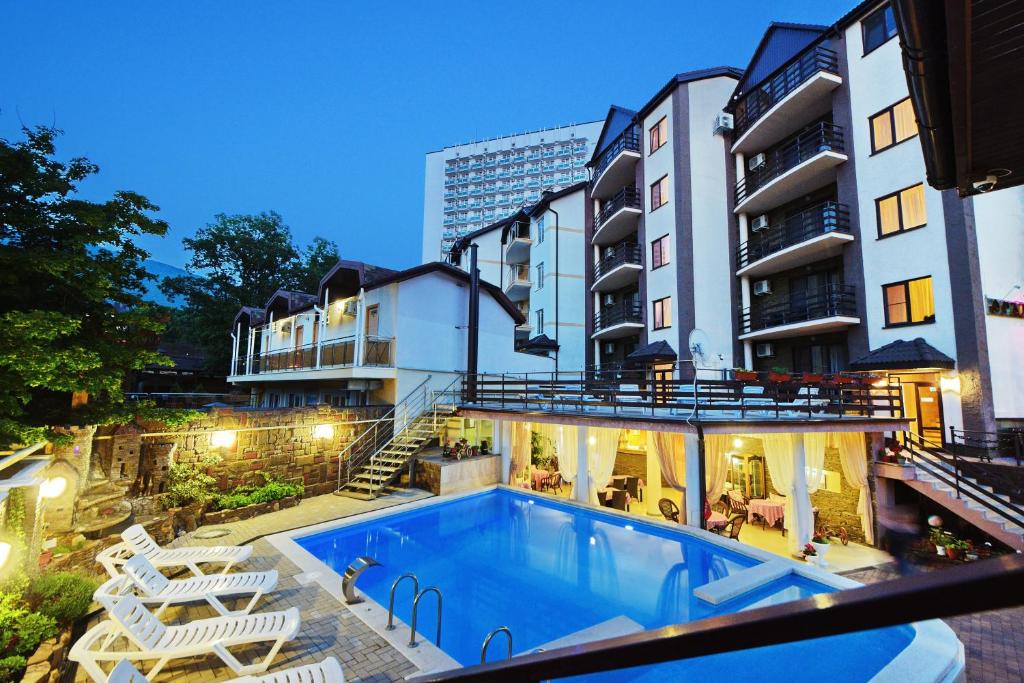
(655, 351)
(904, 355)
(295, 301)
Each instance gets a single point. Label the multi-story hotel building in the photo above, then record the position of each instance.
(472, 185)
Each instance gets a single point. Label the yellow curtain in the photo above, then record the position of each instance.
(922, 303)
(888, 215)
(882, 130)
(903, 117)
(912, 200)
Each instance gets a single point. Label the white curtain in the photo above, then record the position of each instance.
(716, 465)
(854, 461)
(786, 463)
(565, 440)
(671, 456)
(602, 447)
(814, 453)
(520, 449)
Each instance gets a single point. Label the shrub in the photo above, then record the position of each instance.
(189, 483)
(11, 667)
(21, 630)
(64, 596)
(270, 491)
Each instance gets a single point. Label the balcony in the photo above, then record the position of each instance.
(804, 162)
(815, 311)
(518, 287)
(618, 217)
(615, 167)
(799, 91)
(620, 266)
(623, 319)
(334, 354)
(816, 233)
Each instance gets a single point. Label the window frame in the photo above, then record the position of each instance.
(540, 276)
(906, 292)
(661, 196)
(651, 149)
(539, 320)
(666, 259)
(863, 28)
(655, 305)
(891, 110)
(899, 207)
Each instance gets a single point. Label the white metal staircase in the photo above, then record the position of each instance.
(950, 481)
(376, 458)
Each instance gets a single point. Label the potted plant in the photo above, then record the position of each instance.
(938, 537)
(956, 549)
(820, 543)
(779, 374)
(809, 551)
(812, 377)
(744, 375)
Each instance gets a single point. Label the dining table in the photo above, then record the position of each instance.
(538, 478)
(716, 521)
(772, 511)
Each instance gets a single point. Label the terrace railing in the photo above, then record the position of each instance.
(619, 255)
(626, 198)
(822, 137)
(629, 140)
(781, 83)
(986, 445)
(812, 304)
(617, 314)
(806, 225)
(334, 353)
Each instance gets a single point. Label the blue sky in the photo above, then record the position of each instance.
(323, 111)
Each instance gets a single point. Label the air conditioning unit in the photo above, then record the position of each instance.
(723, 123)
(756, 162)
(350, 308)
(609, 299)
(765, 350)
(609, 347)
(760, 223)
(762, 287)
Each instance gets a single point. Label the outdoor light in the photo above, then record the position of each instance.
(737, 443)
(880, 383)
(592, 441)
(52, 487)
(323, 431)
(629, 527)
(5, 553)
(223, 439)
(950, 384)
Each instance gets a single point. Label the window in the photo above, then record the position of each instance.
(540, 276)
(663, 313)
(878, 27)
(893, 125)
(901, 211)
(909, 302)
(659, 252)
(659, 193)
(658, 134)
(540, 230)
(539, 313)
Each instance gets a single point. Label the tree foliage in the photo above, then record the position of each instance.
(239, 260)
(71, 280)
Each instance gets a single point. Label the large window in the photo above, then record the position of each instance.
(663, 313)
(540, 276)
(909, 302)
(878, 27)
(901, 211)
(659, 192)
(540, 230)
(659, 252)
(539, 313)
(893, 125)
(658, 134)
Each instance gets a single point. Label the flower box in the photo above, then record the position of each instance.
(249, 511)
(812, 377)
(779, 376)
(745, 375)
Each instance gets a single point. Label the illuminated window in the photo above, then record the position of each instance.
(910, 302)
(901, 211)
(659, 192)
(878, 27)
(893, 125)
(659, 252)
(658, 134)
(663, 313)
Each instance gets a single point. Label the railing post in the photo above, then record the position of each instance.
(952, 437)
(1018, 446)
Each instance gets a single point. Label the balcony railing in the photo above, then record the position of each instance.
(822, 137)
(619, 314)
(519, 272)
(813, 304)
(335, 353)
(810, 223)
(784, 81)
(620, 254)
(628, 141)
(626, 198)
(377, 352)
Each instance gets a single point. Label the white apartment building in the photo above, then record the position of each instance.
(471, 185)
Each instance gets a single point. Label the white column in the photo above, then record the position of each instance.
(251, 348)
(236, 339)
(743, 222)
(360, 317)
(694, 484)
(652, 488)
(800, 533)
(581, 487)
(503, 428)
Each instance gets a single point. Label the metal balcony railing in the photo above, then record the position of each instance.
(617, 314)
(616, 256)
(781, 83)
(377, 351)
(627, 197)
(810, 223)
(821, 137)
(519, 272)
(629, 140)
(797, 307)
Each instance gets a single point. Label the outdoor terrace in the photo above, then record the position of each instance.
(375, 352)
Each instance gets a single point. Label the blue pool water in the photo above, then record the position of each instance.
(546, 570)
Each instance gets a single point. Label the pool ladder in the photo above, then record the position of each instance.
(417, 595)
(487, 641)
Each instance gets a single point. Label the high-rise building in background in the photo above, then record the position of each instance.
(472, 185)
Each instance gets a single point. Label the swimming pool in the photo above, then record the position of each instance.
(547, 569)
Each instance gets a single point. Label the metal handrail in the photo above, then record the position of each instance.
(809, 223)
(415, 613)
(964, 589)
(762, 97)
(391, 597)
(626, 198)
(790, 153)
(620, 254)
(629, 140)
(618, 313)
(979, 440)
(812, 304)
(487, 641)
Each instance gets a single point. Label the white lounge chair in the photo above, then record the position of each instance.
(327, 671)
(150, 639)
(629, 404)
(137, 541)
(154, 588)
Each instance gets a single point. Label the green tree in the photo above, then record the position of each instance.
(239, 260)
(71, 314)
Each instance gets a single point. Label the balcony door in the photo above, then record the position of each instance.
(372, 324)
(922, 404)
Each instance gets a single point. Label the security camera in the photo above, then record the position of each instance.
(985, 185)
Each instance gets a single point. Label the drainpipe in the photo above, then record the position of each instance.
(557, 277)
(474, 324)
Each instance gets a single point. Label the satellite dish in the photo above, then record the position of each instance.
(700, 347)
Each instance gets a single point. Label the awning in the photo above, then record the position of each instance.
(904, 355)
(538, 345)
(653, 353)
